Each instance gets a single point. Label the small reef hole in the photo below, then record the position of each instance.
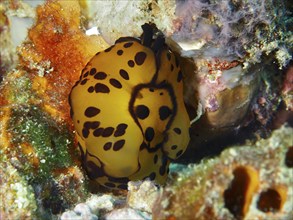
(271, 200)
(171, 217)
(289, 157)
(239, 194)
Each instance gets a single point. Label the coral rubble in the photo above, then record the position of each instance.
(20, 202)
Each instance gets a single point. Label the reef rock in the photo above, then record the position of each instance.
(235, 57)
(253, 181)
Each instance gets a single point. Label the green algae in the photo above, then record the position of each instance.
(20, 91)
(50, 141)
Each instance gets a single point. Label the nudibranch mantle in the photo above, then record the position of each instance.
(129, 113)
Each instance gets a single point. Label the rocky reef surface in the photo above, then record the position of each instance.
(236, 58)
(253, 181)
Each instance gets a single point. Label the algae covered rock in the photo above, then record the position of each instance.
(17, 196)
(246, 182)
(40, 150)
(231, 54)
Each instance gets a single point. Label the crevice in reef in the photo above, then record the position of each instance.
(240, 192)
(289, 157)
(272, 200)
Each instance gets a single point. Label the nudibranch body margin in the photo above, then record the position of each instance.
(129, 113)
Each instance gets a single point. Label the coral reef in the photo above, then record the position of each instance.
(137, 205)
(237, 77)
(91, 209)
(287, 90)
(245, 182)
(142, 195)
(246, 29)
(19, 197)
(252, 181)
(36, 133)
(56, 52)
(235, 52)
(101, 14)
(125, 213)
(39, 150)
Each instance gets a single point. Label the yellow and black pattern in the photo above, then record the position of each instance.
(129, 113)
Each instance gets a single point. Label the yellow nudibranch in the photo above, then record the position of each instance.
(129, 113)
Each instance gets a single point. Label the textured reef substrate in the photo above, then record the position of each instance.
(236, 58)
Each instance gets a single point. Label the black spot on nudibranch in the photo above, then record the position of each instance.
(93, 170)
(124, 74)
(107, 146)
(152, 176)
(162, 170)
(86, 74)
(83, 82)
(108, 132)
(109, 49)
(129, 44)
(119, 52)
(176, 61)
(179, 153)
(174, 147)
(159, 145)
(140, 58)
(111, 185)
(155, 159)
(91, 89)
(142, 111)
(87, 125)
(122, 186)
(115, 83)
(177, 130)
(85, 133)
(149, 134)
(164, 112)
(91, 112)
(130, 63)
(93, 71)
(168, 56)
(118, 179)
(98, 132)
(95, 124)
(99, 87)
(100, 75)
(143, 146)
(179, 76)
(118, 145)
(120, 130)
